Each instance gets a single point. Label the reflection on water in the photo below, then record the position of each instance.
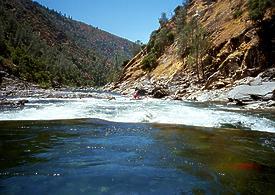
(100, 157)
(236, 160)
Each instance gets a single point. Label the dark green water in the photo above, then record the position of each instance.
(89, 156)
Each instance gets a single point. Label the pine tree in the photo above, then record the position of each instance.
(163, 19)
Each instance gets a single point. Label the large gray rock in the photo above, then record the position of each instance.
(250, 92)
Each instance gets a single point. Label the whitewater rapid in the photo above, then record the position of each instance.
(123, 109)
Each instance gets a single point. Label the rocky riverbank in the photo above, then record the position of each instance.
(235, 67)
(249, 93)
(14, 93)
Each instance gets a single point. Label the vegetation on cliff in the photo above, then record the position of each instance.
(43, 46)
(159, 40)
(257, 8)
(213, 44)
(193, 41)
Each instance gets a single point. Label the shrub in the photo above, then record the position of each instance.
(257, 8)
(160, 41)
(152, 40)
(170, 37)
(237, 13)
(149, 62)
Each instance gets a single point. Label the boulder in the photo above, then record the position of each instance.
(159, 93)
(142, 92)
(255, 94)
(247, 92)
(219, 85)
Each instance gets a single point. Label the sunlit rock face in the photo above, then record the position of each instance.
(239, 49)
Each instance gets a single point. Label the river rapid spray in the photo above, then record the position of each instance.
(147, 110)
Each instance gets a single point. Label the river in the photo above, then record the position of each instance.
(124, 146)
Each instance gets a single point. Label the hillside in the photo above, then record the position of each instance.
(207, 45)
(43, 46)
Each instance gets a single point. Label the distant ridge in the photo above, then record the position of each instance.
(59, 50)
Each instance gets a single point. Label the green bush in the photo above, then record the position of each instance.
(237, 13)
(149, 62)
(257, 8)
(152, 40)
(160, 40)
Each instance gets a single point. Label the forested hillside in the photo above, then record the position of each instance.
(43, 46)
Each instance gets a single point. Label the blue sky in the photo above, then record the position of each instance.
(131, 19)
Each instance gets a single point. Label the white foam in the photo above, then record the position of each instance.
(125, 110)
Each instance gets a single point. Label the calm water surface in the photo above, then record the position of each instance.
(95, 156)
